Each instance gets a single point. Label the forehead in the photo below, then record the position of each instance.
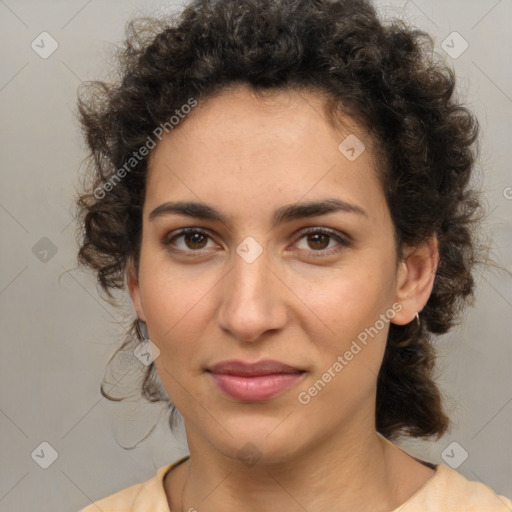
(240, 111)
(278, 145)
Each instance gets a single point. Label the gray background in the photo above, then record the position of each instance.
(57, 334)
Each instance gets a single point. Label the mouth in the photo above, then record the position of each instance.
(259, 381)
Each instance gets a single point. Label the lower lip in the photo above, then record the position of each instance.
(261, 387)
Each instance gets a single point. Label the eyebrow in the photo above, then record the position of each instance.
(283, 214)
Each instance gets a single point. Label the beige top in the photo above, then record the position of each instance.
(445, 491)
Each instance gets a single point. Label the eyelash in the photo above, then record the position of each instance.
(343, 242)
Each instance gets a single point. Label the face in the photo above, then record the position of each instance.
(263, 279)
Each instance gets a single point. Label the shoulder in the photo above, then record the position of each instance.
(448, 490)
(141, 497)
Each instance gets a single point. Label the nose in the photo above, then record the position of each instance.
(252, 299)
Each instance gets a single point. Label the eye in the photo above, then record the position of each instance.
(318, 240)
(195, 240)
(192, 240)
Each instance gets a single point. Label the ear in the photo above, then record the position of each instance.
(132, 280)
(415, 279)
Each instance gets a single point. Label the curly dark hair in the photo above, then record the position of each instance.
(386, 77)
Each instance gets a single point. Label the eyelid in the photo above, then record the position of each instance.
(327, 231)
(183, 231)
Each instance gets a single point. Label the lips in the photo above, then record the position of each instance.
(259, 381)
(243, 369)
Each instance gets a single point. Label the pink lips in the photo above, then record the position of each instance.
(254, 381)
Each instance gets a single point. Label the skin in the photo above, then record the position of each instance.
(248, 156)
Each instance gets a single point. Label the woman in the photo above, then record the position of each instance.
(283, 188)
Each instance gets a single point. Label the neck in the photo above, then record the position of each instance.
(350, 472)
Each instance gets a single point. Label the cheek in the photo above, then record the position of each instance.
(175, 311)
(350, 305)
(174, 295)
(174, 306)
(348, 301)
(349, 354)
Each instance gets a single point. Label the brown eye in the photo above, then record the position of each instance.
(318, 242)
(192, 240)
(195, 240)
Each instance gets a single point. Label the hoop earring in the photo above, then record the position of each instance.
(142, 330)
(146, 352)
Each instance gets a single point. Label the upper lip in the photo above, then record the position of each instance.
(246, 369)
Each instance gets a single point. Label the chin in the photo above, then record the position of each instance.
(260, 440)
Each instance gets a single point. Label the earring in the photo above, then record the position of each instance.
(146, 351)
(417, 316)
(142, 329)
